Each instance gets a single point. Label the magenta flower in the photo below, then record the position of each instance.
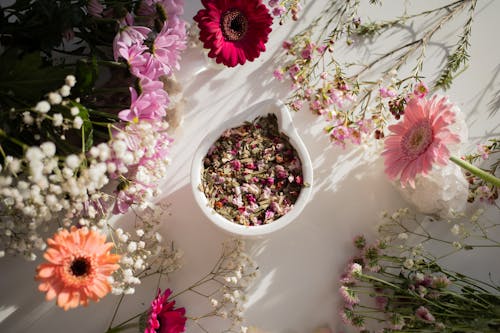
(234, 31)
(164, 317)
(419, 141)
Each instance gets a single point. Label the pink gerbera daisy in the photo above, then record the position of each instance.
(164, 317)
(234, 31)
(420, 140)
(78, 266)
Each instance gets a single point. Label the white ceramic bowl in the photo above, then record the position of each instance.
(285, 125)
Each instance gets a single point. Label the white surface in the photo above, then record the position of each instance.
(299, 265)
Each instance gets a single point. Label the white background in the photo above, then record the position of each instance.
(300, 265)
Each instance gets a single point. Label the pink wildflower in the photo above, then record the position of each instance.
(420, 90)
(278, 74)
(420, 140)
(287, 45)
(322, 48)
(273, 3)
(278, 11)
(340, 133)
(424, 314)
(387, 93)
(348, 296)
(484, 151)
(294, 69)
(307, 52)
(297, 105)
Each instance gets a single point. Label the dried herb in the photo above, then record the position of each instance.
(252, 175)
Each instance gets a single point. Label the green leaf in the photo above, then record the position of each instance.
(25, 77)
(86, 75)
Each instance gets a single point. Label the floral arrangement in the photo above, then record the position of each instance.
(83, 131)
(222, 290)
(401, 284)
(343, 92)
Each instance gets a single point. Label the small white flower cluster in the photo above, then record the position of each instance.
(56, 101)
(142, 252)
(235, 272)
(137, 156)
(46, 190)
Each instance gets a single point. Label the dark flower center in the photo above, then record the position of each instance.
(233, 24)
(417, 140)
(80, 266)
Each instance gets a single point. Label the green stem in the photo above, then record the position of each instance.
(122, 328)
(125, 325)
(487, 177)
(14, 140)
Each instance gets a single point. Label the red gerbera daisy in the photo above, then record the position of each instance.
(234, 30)
(163, 317)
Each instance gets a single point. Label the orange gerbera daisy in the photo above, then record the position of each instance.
(78, 267)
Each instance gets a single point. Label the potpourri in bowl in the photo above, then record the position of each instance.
(253, 175)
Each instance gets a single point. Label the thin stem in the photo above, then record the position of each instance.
(116, 311)
(13, 140)
(122, 328)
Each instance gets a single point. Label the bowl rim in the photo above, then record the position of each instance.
(285, 126)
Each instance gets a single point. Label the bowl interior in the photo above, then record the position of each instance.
(286, 126)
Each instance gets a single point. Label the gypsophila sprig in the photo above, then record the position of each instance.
(225, 286)
(142, 251)
(359, 100)
(412, 289)
(222, 290)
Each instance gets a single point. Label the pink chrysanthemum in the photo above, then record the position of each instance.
(151, 104)
(234, 31)
(78, 266)
(164, 317)
(420, 140)
(168, 45)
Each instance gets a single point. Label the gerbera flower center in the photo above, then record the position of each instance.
(417, 140)
(80, 266)
(233, 24)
